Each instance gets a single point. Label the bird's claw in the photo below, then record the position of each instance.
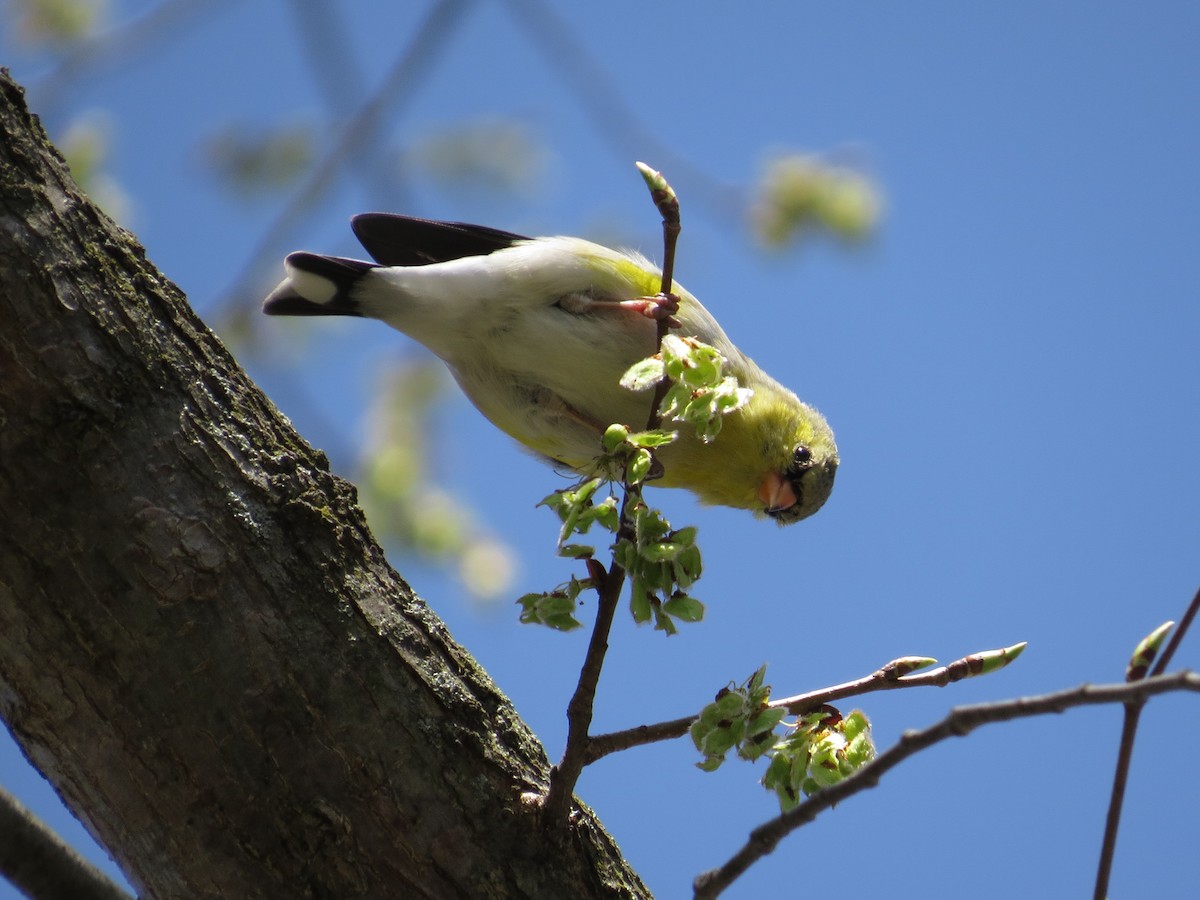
(660, 307)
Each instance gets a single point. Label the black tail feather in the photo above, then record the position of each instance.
(318, 286)
(406, 241)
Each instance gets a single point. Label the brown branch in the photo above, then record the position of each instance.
(40, 864)
(1116, 800)
(1129, 726)
(958, 723)
(577, 752)
(565, 775)
(668, 207)
(882, 679)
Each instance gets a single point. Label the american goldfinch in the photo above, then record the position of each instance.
(538, 333)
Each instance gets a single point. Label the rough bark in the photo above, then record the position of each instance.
(201, 645)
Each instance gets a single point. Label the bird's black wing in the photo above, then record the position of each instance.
(405, 241)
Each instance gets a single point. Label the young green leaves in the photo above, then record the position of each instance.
(555, 609)
(578, 512)
(738, 718)
(700, 394)
(662, 562)
(819, 749)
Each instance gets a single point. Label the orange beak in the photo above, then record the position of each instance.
(777, 493)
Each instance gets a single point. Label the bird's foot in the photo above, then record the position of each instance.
(660, 307)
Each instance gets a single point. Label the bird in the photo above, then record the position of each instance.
(538, 332)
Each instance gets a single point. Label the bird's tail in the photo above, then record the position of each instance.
(318, 286)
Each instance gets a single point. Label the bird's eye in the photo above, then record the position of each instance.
(801, 457)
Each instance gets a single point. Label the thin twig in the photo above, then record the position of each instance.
(957, 723)
(668, 207)
(880, 680)
(565, 775)
(1133, 713)
(1116, 800)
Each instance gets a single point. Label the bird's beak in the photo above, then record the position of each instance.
(777, 493)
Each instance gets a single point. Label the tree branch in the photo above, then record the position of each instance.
(39, 864)
(1129, 727)
(610, 582)
(580, 707)
(959, 722)
(882, 679)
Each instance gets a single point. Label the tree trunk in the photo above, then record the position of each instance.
(201, 645)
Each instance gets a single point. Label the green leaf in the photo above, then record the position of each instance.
(662, 552)
(767, 720)
(639, 603)
(638, 467)
(700, 372)
(554, 501)
(710, 763)
(687, 566)
(652, 439)
(584, 492)
(684, 608)
(662, 621)
(576, 551)
(685, 535)
(756, 745)
(718, 742)
(855, 725)
(625, 554)
(554, 609)
(608, 515)
(730, 704)
(643, 375)
(649, 524)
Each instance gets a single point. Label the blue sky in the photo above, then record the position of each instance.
(1010, 367)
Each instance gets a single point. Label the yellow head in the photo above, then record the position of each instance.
(776, 456)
